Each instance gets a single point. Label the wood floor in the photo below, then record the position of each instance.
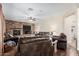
(70, 51)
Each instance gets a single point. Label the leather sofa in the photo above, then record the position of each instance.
(35, 47)
(43, 34)
(15, 39)
(62, 42)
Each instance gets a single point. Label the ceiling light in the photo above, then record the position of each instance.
(31, 18)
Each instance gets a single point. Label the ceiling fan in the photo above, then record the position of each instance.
(28, 16)
(31, 18)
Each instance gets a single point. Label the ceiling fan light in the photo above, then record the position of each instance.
(30, 20)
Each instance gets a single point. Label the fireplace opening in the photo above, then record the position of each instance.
(16, 32)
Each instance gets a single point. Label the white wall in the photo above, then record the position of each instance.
(0, 36)
(78, 29)
(69, 22)
(50, 24)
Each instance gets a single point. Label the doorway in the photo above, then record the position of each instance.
(70, 29)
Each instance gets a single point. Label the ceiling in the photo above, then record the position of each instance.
(38, 10)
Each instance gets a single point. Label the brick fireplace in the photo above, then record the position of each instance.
(17, 28)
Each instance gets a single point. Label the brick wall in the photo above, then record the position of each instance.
(15, 24)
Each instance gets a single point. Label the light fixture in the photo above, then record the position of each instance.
(31, 15)
(31, 18)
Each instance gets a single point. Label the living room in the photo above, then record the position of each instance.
(39, 21)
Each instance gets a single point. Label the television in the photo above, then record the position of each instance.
(26, 29)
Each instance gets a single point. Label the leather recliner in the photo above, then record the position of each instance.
(62, 42)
